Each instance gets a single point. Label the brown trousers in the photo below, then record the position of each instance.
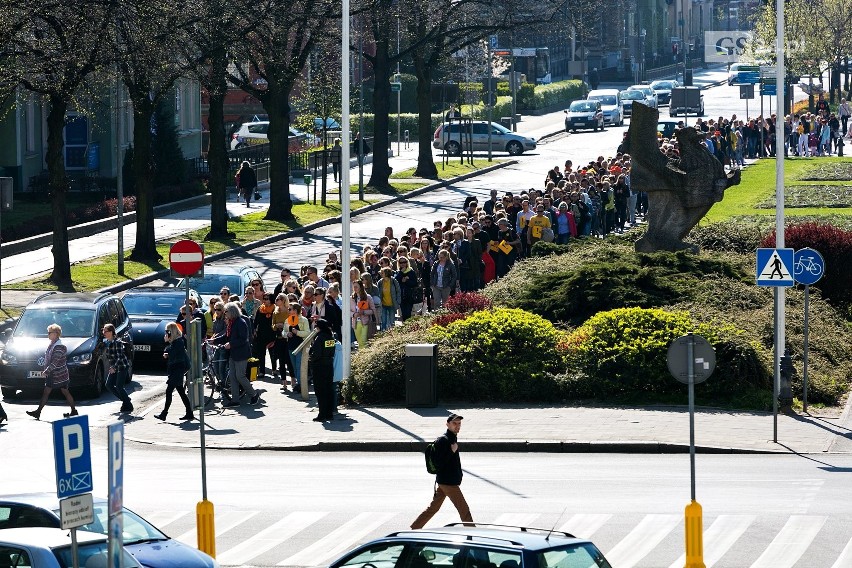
(442, 492)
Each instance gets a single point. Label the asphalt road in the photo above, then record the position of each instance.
(302, 509)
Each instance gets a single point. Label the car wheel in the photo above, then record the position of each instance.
(453, 148)
(97, 387)
(514, 148)
(574, 131)
(9, 392)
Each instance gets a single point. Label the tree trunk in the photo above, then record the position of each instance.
(146, 242)
(425, 161)
(217, 158)
(278, 108)
(381, 104)
(61, 275)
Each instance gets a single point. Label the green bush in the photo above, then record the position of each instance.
(559, 93)
(624, 351)
(484, 357)
(730, 236)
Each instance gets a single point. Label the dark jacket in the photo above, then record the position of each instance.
(409, 283)
(322, 350)
(449, 462)
(177, 363)
(239, 340)
(248, 179)
(334, 316)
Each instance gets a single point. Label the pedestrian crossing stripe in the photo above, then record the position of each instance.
(313, 538)
(775, 267)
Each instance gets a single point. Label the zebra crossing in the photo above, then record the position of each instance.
(652, 540)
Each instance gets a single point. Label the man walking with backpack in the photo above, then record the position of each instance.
(442, 458)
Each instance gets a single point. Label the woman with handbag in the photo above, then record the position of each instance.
(247, 182)
(362, 308)
(55, 372)
(177, 364)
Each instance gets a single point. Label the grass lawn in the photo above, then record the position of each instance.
(803, 178)
(100, 272)
(453, 169)
(397, 188)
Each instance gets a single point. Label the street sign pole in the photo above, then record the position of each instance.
(780, 315)
(488, 76)
(690, 366)
(805, 352)
(808, 268)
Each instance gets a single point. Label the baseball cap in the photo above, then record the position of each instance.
(454, 416)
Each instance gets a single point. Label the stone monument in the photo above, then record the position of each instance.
(680, 191)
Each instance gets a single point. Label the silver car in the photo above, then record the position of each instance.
(452, 137)
(650, 95)
(40, 547)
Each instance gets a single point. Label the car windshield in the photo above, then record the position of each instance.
(75, 322)
(136, 529)
(89, 554)
(605, 99)
(661, 85)
(582, 106)
(154, 304)
(212, 283)
(632, 95)
(581, 555)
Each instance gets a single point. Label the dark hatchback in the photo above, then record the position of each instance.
(150, 309)
(143, 540)
(82, 316)
(475, 546)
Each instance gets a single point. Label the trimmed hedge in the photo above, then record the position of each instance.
(624, 351)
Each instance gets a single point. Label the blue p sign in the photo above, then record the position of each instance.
(72, 456)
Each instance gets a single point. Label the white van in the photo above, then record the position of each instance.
(613, 108)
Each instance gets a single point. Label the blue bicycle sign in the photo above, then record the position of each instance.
(808, 266)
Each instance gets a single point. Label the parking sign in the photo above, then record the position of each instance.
(72, 456)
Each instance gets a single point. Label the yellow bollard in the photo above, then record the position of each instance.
(694, 536)
(206, 530)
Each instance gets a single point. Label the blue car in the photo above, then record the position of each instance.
(148, 545)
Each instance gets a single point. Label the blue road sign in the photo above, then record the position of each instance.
(72, 456)
(809, 266)
(748, 77)
(775, 267)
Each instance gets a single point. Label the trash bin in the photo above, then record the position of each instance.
(506, 121)
(252, 367)
(308, 179)
(421, 374)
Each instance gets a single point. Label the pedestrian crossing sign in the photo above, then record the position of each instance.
(775, 267)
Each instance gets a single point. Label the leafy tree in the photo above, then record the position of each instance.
(270, 60)
(54, 49)
(148, 36)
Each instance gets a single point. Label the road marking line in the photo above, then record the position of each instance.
(269, 537)
(190, 537)
(338, 541)
(584, 525)
(720, 537)
(161, 519)
(845, 558)
(516, 519)
(791, 543)
(642, 540)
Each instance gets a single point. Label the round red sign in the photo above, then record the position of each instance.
(186, 257)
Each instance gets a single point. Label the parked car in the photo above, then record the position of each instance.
(150, 309)
(41, 547)
(611, 105)
(143, 540)
(630, 96)
(663, 89)
(215, 277)
(584, 114)
(250, 133)
(450, 138)
(82, 316)
(475, 546)
(650, 95)
(329, 124)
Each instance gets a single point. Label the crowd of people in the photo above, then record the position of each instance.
(806, 134)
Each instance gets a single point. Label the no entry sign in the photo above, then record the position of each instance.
(186, 258)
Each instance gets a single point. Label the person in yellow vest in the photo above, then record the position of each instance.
(536, 225)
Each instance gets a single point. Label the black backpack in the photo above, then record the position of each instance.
(431, 456)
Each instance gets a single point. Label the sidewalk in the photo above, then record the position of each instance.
(282, 421)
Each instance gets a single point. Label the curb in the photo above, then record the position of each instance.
(122, 286)
(494, 446)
